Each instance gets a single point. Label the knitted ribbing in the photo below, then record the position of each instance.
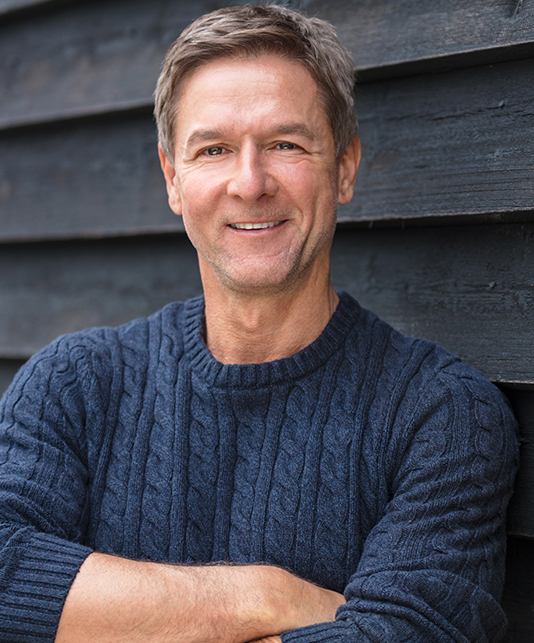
(368, 462)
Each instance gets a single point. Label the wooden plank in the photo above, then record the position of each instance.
(50, 289)
(93, 56)
(469, 288)
(87, 57)
(449, 144)
(518, 595)
(8, 369)
(12, 6)
(520, 520)
(388, 37)
(444, 145)
(84, 179)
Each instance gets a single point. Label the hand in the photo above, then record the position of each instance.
(300, 603)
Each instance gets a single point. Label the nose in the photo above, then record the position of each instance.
(250, 178)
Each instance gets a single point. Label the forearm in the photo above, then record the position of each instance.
(114, 600)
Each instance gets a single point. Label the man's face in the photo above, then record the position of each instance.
(255, 175)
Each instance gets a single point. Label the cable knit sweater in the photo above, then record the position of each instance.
(368, 462)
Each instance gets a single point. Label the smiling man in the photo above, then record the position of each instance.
(268, 460)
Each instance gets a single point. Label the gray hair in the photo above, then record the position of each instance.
(251, 31)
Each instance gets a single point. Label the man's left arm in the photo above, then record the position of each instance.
(432, 569)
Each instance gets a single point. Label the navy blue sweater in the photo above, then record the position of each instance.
(370, 463)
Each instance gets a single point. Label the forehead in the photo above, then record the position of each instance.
(268, 86)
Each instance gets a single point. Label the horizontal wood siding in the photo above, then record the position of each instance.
(83, 179)
(98, 55)
(518, 596)
(438, 239)
(521, 510)
(469, 288)
(438, 145)
(50, 289)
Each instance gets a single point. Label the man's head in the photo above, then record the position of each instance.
(250, 31)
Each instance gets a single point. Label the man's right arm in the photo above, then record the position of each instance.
(114, 600)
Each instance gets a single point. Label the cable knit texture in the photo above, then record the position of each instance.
(368, 462)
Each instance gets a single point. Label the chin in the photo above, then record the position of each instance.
(262, 283)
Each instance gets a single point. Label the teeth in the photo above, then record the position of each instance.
(254, 226)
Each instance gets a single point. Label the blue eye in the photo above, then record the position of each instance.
(286, 146)
(214, 151)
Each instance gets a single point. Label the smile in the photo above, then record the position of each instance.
(254, 226)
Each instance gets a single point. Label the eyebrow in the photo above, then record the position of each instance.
(288, 129)
(202, 135)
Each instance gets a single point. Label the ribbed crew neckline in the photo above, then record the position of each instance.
(264, 374)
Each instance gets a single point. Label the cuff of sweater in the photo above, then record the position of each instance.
(335, 631)
(38, 588)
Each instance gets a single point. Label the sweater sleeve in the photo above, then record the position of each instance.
(43, 494)
(432, 568)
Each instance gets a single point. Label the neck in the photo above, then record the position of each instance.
(251, 329)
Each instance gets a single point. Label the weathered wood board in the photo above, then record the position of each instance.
(521, 510)
(469, 288)
(11, 6)
(50, 289)
(447, 144)
(87, 179)
(438, 145)
(390, 37)
(518, 596)
(86, 57)
(8, 369)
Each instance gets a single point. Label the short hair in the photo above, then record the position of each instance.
(250, 31)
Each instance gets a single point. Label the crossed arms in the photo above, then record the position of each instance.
(114, 600)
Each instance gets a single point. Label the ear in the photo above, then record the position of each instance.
(175, 200)
(348, 170)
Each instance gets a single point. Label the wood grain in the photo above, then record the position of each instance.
(521, 510)
(50, 289)
(518, 596)
(89, 179)
(388, 37)
(439, 146)
(448, 144)
(87, 57)
(469, 288)
(8, 369)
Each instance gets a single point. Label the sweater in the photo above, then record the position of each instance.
(370, 463)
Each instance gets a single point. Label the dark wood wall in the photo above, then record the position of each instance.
(439, 239)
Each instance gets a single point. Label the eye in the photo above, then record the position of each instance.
(214, 151)
(287, 146)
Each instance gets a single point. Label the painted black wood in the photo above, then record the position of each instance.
(12, 6)
(87, 57)
(50, 289)
(521, 510)
(518, 595)
(442, 145)
(86, 179)
(8, 369)
(447, 144)
(388, 37)
(469, 288)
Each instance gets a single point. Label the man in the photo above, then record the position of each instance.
(271, 421)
